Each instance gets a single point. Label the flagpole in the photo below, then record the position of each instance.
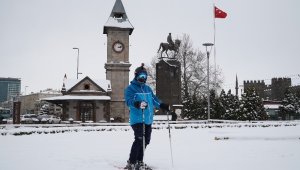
(215, 80)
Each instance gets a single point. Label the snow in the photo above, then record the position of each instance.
(247, 146)
(74, 97)
(104, 84)
(118, 23)
(161, 117)
(272, 106)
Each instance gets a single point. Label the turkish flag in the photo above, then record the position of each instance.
(219, 13)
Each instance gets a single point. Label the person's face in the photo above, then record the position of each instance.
(142, 77)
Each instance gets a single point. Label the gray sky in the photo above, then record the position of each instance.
(258, 40)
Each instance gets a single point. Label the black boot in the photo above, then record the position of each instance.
(142, 166)
(130, 166)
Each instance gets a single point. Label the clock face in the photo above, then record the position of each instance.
(118, 46)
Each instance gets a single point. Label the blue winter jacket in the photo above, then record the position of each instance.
(140, 92)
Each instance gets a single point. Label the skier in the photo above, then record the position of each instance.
(141, 102)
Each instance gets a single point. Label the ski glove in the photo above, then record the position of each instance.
(140, 104)
(165, 106)
(143, 105)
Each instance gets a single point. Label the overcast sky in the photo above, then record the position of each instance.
(257, 41)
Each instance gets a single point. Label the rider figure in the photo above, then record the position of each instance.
(170, 41)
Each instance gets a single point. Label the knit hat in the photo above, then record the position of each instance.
(141, 71)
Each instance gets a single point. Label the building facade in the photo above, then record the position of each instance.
(84, 100)
(9, 88)
(32, 103)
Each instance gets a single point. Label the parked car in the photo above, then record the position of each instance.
(8, 121)
(4, 115)
(54, 120)
(29, 119)
(44, 118)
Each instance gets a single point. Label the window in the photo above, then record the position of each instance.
(86, 87)
(118, 16)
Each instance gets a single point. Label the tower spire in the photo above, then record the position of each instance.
(236, 85)
(118, 18)
(118, 8)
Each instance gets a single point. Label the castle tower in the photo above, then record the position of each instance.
(279, 87)
(258, 86)
(118, 28)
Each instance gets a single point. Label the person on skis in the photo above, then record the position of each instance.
(141, 101)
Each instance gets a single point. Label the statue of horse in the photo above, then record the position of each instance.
(166, 46)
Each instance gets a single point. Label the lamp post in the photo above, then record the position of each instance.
(77, 60)
(208, 92)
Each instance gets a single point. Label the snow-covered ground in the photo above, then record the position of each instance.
(242, 146)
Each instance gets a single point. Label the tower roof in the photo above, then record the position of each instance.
(118, 18)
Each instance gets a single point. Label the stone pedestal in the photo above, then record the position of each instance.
(168, 81)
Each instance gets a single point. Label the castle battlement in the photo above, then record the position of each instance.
(281, 81)
(255, 82)
(275, 90)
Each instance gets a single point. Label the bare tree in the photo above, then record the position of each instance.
(151, 69)
(194, 69)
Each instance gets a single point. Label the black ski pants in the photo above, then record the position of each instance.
(136, 153)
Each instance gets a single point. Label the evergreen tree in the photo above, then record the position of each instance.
(198, 109)
(193, 108)
(290, 106)
(223, 104)
(215, 106)
(251, 107)
(186, 110)
(232, 106)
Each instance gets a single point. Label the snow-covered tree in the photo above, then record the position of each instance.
(186, 110)
(290, 106)
(231, 105)
(251, 107)
(194, 108)
(224, 104)
(216, 106)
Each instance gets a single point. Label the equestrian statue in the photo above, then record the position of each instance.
(169, 46)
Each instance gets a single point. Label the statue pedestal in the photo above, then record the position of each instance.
(168, 81)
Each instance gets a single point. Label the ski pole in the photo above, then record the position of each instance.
(144, 143)
(170, 139)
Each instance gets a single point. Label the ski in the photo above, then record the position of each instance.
(140, 168)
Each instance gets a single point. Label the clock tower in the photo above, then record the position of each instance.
(118, 28)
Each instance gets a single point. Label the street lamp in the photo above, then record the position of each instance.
(208, 92)
(77, 60)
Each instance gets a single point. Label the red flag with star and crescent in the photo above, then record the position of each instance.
(219, 13)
